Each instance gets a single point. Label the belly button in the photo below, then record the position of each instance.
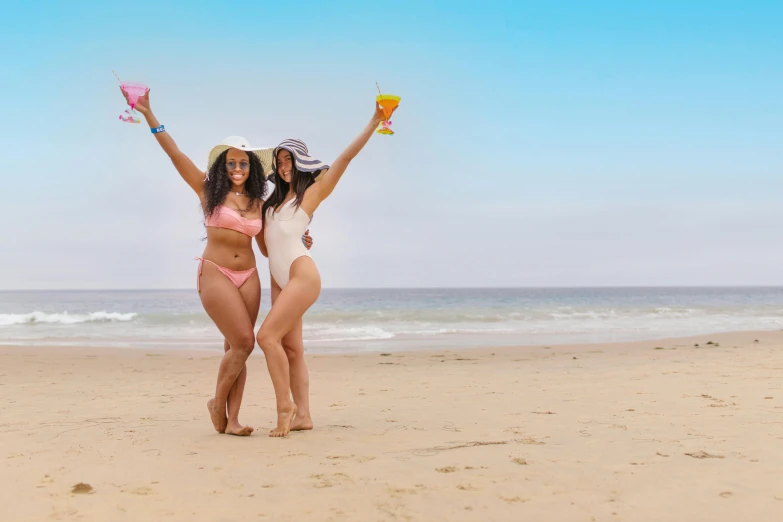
(236, 256)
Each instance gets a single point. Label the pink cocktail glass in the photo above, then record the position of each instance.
(134, 91)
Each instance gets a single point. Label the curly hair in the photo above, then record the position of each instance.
(217, 185)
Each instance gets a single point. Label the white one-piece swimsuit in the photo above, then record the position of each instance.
(283, 236)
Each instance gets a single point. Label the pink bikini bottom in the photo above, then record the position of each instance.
(238, 277)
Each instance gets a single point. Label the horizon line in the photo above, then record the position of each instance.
(586, 287)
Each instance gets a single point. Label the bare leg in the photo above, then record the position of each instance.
(300, 378)
(290, 304)
(251, 294)
(226, 307)
(234, 401)
(293, 344)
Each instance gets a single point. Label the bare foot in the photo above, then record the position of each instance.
(218, 421)
(235, 428)
(284, 418)
(302, 422)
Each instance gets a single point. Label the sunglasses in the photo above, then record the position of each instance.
(232, 165)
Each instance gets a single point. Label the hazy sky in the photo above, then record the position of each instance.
(538, 143)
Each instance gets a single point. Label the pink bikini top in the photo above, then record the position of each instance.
(227, 217)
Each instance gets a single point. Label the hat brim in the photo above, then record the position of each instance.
(303, 162)
(264, 155)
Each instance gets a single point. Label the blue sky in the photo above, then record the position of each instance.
(538, 143)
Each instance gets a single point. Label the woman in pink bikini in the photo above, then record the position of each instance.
(231, 196)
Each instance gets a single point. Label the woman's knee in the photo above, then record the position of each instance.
(244, 342)
(294, 352)
(266, 340)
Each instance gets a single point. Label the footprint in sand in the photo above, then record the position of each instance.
(82, 489)
(512, 500)
(530, 441)
(328, 481)
(520, 461)
(449, 426)
(447, 469)
(703, 455)
(396, 492)
(141, 491)
(339, 458)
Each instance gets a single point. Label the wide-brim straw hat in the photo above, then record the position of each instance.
(264, 154)
(302, 159)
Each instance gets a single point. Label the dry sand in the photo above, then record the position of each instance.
(572, 433)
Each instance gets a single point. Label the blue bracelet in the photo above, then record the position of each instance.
(157, 129)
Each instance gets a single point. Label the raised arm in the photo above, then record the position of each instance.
(189, 172)
(327, 182)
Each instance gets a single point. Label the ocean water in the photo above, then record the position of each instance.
(397, 319)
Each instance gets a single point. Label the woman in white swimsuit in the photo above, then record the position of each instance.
(301, 184)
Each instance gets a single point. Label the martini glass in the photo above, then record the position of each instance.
(388, 103)
(134, 91)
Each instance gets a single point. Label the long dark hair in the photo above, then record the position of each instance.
(301, 182)
(218, 185)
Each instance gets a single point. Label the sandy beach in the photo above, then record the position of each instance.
(659, 430)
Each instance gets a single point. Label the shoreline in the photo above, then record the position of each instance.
(348, 321)
(610, 431)
(682, 341)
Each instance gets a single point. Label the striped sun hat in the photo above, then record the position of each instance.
(304, 162)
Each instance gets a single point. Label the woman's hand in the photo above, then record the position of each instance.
(142, 104)
(307, 240)
(379, 115)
